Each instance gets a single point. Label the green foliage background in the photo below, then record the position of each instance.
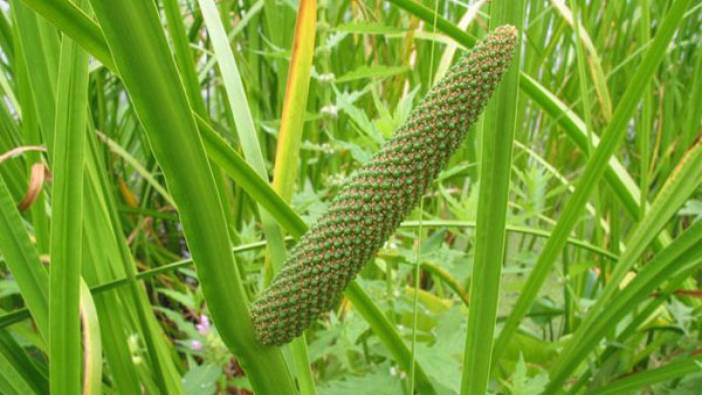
(142, 205)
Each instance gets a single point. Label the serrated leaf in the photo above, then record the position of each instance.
(523, 384)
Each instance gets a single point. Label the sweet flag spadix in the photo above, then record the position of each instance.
(379, 195)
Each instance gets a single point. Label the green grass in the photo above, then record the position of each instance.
(189, 143)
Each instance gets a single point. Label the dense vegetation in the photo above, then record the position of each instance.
(160, 159)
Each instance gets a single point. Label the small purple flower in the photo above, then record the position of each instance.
(203, 326)
(196, 345)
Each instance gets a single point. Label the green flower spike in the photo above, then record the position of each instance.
(376, 199)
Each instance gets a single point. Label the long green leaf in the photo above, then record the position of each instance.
(684, 367)
(40, 52)
(18, 373)
(76, 24)
(67, 220)
(183, 55)
(233, 87)
(292, 119)
(594, 61)
(499, 124)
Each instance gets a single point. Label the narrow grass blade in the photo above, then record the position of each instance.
(643, 134)
(594, 60)
(18, 374)
(442, 25)
(23, 261)
(184, 55)
(138, 167)
(66, 246)
(32, 134)
(234, 87)
(694, 109)
(450, 50)
(6, 40)
(39, 53)
(684, 367)
(292, 120)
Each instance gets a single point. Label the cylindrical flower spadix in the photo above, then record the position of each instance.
(380, 194)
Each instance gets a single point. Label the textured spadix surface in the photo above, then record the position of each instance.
(378, 196)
